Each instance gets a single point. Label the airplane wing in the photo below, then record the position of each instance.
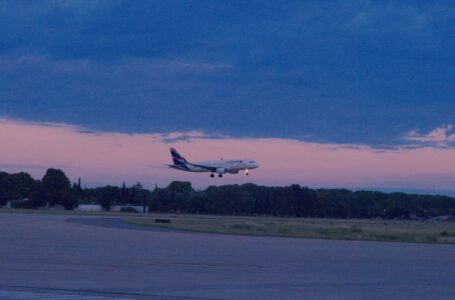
(209, 168)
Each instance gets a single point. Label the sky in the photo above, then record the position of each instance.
(355, 94)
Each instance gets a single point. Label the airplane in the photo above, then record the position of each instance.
(215, 166)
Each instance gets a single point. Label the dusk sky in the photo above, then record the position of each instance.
(354, 94)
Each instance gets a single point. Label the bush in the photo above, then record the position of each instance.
(356, 229)
(128, 209)
(21, 204)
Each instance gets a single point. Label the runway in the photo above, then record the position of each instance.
(68, 257)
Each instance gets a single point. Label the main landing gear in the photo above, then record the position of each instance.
(219, 175)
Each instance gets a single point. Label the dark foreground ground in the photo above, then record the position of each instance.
(68, 257)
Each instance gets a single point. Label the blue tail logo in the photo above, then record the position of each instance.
(178, 159)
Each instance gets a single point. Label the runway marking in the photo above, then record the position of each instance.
(47, 296)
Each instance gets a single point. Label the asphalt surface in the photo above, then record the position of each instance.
(62, 257)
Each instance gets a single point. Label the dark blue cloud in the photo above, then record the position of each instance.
(357, 71)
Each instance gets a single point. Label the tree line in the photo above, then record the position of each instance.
(55, 189)
(247, 199)
(297, 201)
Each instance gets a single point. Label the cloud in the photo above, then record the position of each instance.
(248, 68)
(388, 18)
(97, 158)
(164, 95)
(183, 136)
(443, 136)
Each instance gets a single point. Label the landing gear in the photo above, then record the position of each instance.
(220, 175)
(246, 172)
(212, 175)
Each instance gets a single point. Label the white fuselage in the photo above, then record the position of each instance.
(219, 166)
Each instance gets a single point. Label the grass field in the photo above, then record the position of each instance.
(64, 212)
(339, 229)
(351, 229)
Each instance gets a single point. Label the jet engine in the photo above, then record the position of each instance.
(221, 170)
(232, 171)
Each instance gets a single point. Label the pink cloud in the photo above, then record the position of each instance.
(441, 136)
(110, 158)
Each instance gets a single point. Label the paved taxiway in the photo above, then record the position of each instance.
(67, 257)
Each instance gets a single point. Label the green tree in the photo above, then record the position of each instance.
(69, 200)
(57, 189)
(15, 186)
(124, 194)
(180, 186)
(107, 196)
(38, 197)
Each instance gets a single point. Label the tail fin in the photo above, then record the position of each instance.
(177, 158)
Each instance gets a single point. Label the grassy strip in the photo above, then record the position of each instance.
(362, 230)
(66, 212)
(339, 229)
